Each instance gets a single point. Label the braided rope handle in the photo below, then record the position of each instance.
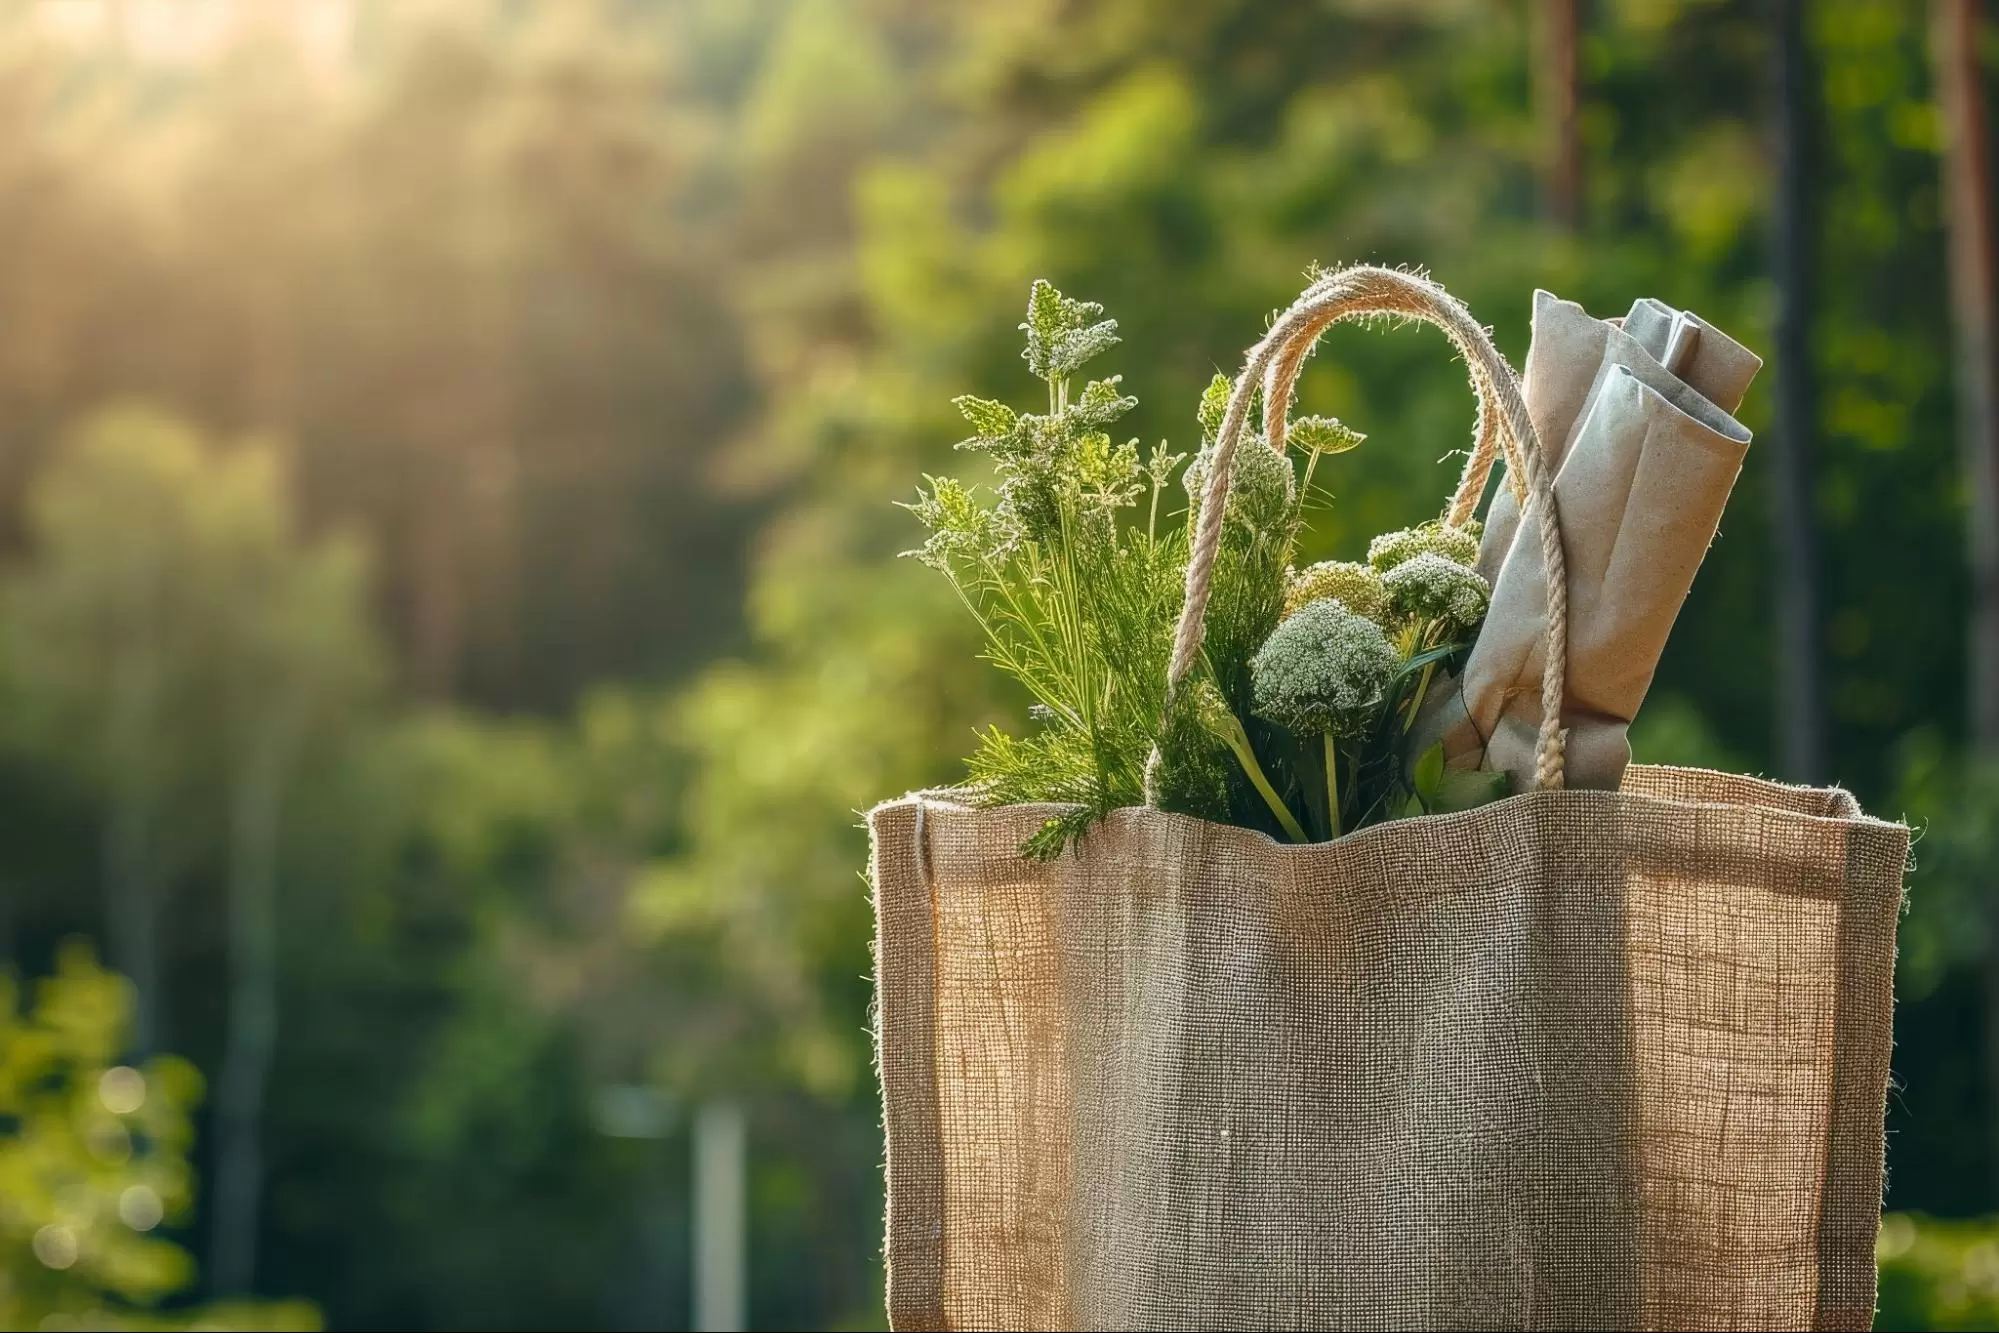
(1503, 427)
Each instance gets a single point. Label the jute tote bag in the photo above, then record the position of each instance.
(1577, 1059)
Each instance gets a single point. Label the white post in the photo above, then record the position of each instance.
(720, 1219)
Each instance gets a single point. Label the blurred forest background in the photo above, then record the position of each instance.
(449, 614)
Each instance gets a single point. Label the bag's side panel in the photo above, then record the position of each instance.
(1863, 1037)
(905, 1045)
(1004, 1110)
(1815, 902)
(1733, 981)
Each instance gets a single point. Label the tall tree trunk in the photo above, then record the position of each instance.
(1556, 99)
(130, 852)
(1800, 683)
(131, 910)
(255, 814)
(1968, 190)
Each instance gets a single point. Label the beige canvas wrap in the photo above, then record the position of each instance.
(1577, 1059)
(1635, 416)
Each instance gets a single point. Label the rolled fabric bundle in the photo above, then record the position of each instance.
(1649, 453)
(1564, 354)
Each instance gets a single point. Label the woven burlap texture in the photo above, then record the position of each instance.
(1578, 1059)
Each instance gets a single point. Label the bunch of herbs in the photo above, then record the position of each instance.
(1309, 680)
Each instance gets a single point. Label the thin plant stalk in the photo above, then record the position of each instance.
(1305, 486)
(1416, 700)
(1332, 782)
(1238, 742)
(1152, 515)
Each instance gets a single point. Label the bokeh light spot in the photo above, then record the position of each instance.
(139, 1207)
(122, 1090)
(55, 1246)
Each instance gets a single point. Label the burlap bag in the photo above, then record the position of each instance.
(1578, 1059)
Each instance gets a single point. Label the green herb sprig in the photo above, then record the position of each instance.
(1075, 596)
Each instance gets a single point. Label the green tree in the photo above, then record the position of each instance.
(170, 593)
(465, 267)
(107, 652)
(296, 657)
(93, 1160)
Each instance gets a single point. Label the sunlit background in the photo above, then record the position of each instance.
(449, 613)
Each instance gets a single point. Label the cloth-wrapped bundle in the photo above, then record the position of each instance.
(1635, 418)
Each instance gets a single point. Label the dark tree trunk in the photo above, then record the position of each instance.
(1557, 100)
(1800, 682)
(1968, 191)
(130, 848)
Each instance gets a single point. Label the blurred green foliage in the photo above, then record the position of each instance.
(1937, 1274)
(542, 375)
(93, 1161)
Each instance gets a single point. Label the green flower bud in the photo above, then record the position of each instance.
(1356, 586)
(1262, 485)
(1429, 587)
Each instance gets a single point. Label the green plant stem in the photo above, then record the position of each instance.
(1416, 700)
(1239, 743)
(1305, 486)
(1332, 782)
(1001, 654)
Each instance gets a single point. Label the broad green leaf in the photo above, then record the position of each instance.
(1468, 789)
(1429, 773)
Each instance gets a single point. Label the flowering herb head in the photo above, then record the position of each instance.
(1429, 587)
(1322, 435)
(1062, 333)
(1263, 489)
(1458, 545)
(1357, 587)
(1062, 461)
(961, 529)
(1326, 669)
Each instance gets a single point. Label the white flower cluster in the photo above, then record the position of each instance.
(1358, 587)
(1429, 587)
(1326, 669)
(1457, 545)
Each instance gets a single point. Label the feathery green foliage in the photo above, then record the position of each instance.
(1075, 595)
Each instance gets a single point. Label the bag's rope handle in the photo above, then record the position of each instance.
(1503, 426)
(1490, 436)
